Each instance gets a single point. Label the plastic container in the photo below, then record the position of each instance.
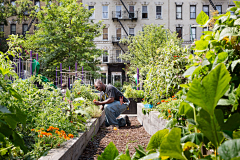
(148, 105)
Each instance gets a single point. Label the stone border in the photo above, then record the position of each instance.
(72, 149)
(151, 123)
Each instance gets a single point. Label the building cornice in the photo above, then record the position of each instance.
(193, 3)
(105, 3)
(231, 3)
(205, 3)
(131, 25)
(131, 3)
(179, 3)
(179, 25)
(91, 3)
(144, 3)
(158, 3)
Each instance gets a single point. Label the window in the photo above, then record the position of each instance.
(105, 56)
(103, 77)
(13, 29)
(24, 28)
(13, 2)
(131, 11)
(37, 3)
(118, 11)
(219, 8)
(179, 12)
(144, 12)
(105, 34)
(229, 6)
(193, 12)
(193, 34)
(118, 33)
(206, 9)
(92, 16)
(158, 12)
(105, 12)
(131, 31)
(179, 32)
(118, 53)
(1, 28)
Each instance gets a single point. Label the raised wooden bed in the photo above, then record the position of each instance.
(72, 149)
(150, 122)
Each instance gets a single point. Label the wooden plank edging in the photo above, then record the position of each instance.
(73, 148)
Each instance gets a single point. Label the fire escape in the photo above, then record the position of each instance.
(122, 16)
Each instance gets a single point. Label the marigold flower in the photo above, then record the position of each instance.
(56, 128)
(173, 96)
(40, 135)
(44, 133)
(32, 129)
(67, 138)
(175, 56)
(166, 101)
(42, 129)
(163, 100)
(94, 100)
(38, 130)
(70, 135)
(175, 99)
(143, 99)
(169, 116)
(169, 111)
(49, 134)
(158, 103)
(71, 121)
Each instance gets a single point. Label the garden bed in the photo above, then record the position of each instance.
(150, 122)
(72, 149)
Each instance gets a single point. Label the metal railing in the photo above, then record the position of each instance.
(124, 15)
(118, 38)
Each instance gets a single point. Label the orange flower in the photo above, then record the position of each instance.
(143, 99)
(175, 56)
(58, 132)
(32, 129)
(175, 99)
(94, 100)
(38, 130)
(163, 100)
(169, 116)
(50, 128)
(169, 111)
(166, 101)
(67, 138)
(70, 135)
(44, 133)
(158, 103)
(40, 135)
(42, 129)
(71, 121)
(173, 96)
(56, 128)
(49, 134)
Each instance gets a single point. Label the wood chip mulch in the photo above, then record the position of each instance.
(133, 136)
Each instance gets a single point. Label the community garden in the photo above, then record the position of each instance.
(198, 93)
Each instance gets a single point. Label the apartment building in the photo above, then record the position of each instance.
(127, 17)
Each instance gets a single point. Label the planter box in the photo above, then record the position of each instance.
(150, 122)
(132, 108)
(72, 149)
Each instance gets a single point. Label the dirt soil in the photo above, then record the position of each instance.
(133, 136)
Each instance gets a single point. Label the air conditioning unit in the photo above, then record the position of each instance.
(158, 16)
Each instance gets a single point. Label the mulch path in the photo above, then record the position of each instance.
(133, 136)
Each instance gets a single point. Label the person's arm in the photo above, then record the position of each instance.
(107, 101)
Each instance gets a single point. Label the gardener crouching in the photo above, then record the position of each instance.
(114, 103)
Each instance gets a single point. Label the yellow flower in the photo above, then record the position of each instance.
(226, 39)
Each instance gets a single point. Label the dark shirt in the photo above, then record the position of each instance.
(111, 91)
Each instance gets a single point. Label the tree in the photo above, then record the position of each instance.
(65, 35)
(142, 49)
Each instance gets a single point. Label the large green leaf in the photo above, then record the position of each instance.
(5, 129)
(21, 116)
(234, 63)
(15, 94)
(202, 18)
(11, 120)
(212, 88)
(139, 153)
(201, 45)
(156, 139)
(110, 152)
(228, 32)
(222, 57)
(190, 71)
(209, 127)
(230, 149)
(171, 145)
(154, 156)
(196, 138)
(237, 3)
(124, 156)
(18, 141)
(186, 109)
(171, 123)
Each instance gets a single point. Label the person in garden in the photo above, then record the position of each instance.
(114, 103)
